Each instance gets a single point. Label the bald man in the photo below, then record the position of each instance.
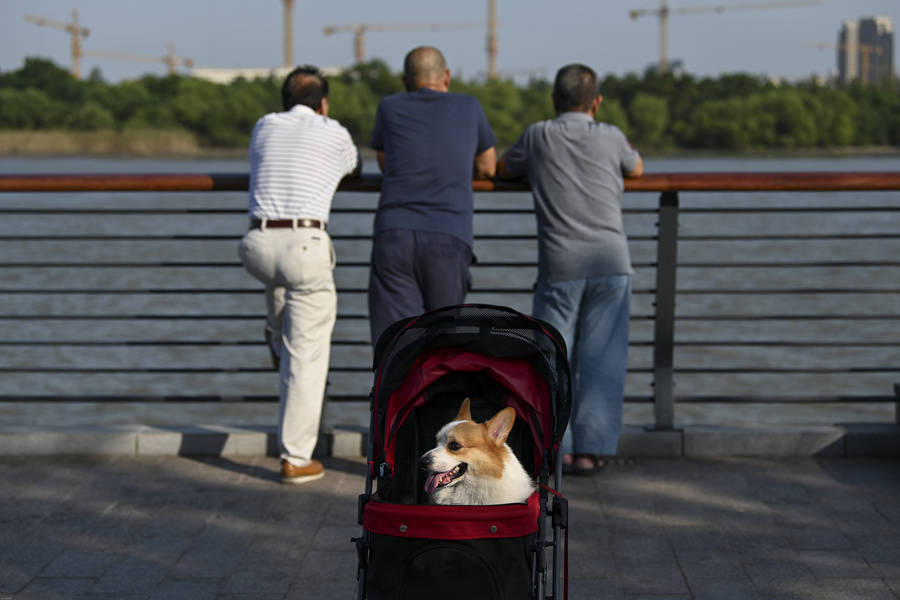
(430, 143)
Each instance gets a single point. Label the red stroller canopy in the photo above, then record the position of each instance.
(527, 393)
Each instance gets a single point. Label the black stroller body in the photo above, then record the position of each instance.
(424, 367)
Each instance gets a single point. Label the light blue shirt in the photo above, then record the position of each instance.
(574, 165)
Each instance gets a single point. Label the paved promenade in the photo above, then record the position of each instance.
(129, 528)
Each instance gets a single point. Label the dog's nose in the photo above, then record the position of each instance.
(424, 460)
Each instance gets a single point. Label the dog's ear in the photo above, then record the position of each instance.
(465, 412)
(500, 425)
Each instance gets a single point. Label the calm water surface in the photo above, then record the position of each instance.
(12, 414)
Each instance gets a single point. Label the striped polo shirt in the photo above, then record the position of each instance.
(297, 158)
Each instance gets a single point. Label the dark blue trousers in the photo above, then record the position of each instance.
(413, 272)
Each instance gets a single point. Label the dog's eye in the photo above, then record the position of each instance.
(454, 446)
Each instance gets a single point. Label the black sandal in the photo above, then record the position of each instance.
(568, 468)
(597, 465)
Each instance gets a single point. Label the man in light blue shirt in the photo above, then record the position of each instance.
(575, 167)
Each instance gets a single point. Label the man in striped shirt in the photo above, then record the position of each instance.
(297, 158)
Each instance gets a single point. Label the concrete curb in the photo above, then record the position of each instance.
(850, 440)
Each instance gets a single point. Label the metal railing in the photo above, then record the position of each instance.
(176, 319)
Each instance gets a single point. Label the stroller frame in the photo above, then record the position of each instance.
(451, 337)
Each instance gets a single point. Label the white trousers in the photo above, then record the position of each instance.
(297, 268)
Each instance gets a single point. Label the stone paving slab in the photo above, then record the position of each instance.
(863, 440)
(223, 528)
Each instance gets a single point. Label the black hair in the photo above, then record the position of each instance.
(575, 88)
(304, 85)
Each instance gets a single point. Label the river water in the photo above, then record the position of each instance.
(34, 303)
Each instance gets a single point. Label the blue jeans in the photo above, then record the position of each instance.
(592, 316)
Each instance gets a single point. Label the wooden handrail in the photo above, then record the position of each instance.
(650, 182)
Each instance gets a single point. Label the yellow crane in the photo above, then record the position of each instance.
(288, 23)
(865, 50)
(169, 58)
(359, 32)
(75, 31)
(664, 11)
(492, 40)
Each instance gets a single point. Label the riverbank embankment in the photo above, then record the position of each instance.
(180, 143)
(134, 143)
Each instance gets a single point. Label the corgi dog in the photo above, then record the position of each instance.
(472, 464)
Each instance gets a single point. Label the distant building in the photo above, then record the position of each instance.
(225, 76)
(675, 67)
(865, 50)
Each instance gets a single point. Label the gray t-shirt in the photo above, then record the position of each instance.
(574, 165)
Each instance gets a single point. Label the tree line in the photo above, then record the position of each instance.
(659, 112)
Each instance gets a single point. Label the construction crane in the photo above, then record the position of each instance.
(288, 22)
(169, 59)
(359, 32)
(492, 40)
(865, 50)
(76, 32)
(664, 11)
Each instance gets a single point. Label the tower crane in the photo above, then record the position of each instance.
(664, 11)
(288, 23)
(170, 59)
(75, 31)
(492, 40)
(865, 50)
(359, 32)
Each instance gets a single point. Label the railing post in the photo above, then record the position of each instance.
(897, 403)
(664, 330)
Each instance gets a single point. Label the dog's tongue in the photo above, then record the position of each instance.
(436, 479)
(432, 482)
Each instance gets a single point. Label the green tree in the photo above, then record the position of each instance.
(376, 76)
(537, 102)
(44, 75)
(354, 105)
(611, 112)
(721, 124)
(790, 124)
(28, 109)
(122, 100)
(154, 116)
(650, 116)
(91, 116)
(734, 112)
(501, 102)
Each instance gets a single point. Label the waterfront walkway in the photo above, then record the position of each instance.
(168, 527)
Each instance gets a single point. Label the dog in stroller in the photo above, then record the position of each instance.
(472, 464)
(411, 547)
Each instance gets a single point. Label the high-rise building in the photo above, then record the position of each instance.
(865, 50)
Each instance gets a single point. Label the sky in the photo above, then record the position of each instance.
(535, 37)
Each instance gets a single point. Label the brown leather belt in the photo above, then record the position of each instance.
(284, 223)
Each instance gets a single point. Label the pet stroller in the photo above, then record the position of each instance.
(424, 367)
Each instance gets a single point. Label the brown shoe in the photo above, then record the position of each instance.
(293, 474)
